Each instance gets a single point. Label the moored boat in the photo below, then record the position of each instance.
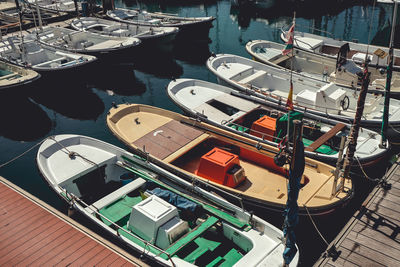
(344, 72)
(14, 76)
(329, 46)
(234, 163)
(195, 27)
(160, 37)
(309, 96)
(84, 42)
(43, 59)
(56, 6)
(149, 209)
(265, 122)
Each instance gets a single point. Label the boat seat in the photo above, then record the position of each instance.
(253, 77)
(36, 57)
(331, 96)
(50, 61)
(186, 239)
(117, 194)
(9, 76)
(204, 245)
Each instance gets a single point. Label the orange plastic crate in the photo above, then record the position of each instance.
(264, 125)
(215, 164)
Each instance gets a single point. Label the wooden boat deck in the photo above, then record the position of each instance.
(371, 237)
(33, 233)
(166, 138)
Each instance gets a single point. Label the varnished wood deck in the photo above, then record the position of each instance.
(372, 236)
(33, 233)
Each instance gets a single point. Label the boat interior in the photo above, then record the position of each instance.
(36, 55)
(114, 28)
(61, 37)
(262, 123)
(326, 97)
(145, 210)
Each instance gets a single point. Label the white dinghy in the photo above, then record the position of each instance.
(14, 76)
(264, 121)
(55, 6)
(148, 209)
(29, 53)
(310, 96)
(196, 27)
(160, 37)
(327, 46)
(84, 42)
(345, 73)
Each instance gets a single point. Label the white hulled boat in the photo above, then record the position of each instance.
(146, 207)
(310, 96)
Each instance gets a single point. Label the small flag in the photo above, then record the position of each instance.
(289, 44)
(289, 102)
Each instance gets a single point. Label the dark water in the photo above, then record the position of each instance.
(78, 103)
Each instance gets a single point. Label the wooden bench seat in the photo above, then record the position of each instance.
(117, 194)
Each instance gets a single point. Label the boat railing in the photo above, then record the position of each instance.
(71, 198)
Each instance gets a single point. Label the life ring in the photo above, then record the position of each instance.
(345, 102)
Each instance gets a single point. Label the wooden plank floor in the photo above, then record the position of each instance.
(33, 233)
(372, 236)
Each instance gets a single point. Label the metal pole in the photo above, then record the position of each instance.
(389, 68)
(39, 16)
(297, 134)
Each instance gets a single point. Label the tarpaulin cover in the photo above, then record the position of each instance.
(176, 200)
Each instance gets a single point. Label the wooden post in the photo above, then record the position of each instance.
(352, 140)
(107, 5)
(338, 168)
(297, 134)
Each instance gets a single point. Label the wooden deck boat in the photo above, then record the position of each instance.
(84, 42)
(196, 27)
(234, 163)
(150, 209)
(329, 47)
(309, 96)
(159, 37)
(43, 59)
(265, 122)
(14, 76)
(322, 68)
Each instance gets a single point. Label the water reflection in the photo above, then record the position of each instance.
(21, 119)
(119, 79)
(70, 98)
(161, 65)
(317, 10)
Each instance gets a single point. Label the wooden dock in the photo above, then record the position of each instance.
(33, 233)
(372, 236)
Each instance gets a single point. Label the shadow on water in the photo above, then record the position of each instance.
(117, 79)
(159, 64)
(21, 119)
(192, 52)
(69, 97)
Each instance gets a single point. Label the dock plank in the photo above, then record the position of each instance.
(35, 234)
(371, 237)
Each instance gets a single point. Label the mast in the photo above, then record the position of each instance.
(389, 68)
(352, 141)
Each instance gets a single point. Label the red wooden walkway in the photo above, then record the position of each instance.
(33, 233)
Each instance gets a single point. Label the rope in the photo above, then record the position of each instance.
(362, 169)
(73, 153)
(315, 226)
(20, 155)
